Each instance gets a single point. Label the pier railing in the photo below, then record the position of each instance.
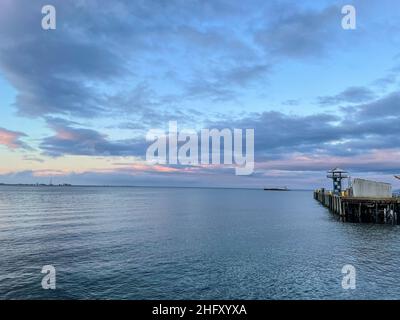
(353, 209)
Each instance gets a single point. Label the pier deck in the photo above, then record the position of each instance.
(352, 209)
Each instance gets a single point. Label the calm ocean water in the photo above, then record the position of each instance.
(175, 243)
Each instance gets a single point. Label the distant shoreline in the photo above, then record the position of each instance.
(35, 185)
(129, 186)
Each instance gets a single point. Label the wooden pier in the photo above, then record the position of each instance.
(353, 209)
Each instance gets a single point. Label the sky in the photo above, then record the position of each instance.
(76, 102)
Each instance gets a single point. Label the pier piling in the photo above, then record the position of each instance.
(358, 209)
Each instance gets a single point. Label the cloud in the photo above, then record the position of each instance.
(297, 33)
(386, 80)
(32, 159)
(139, 175)
(277, 133)
(70, 140)
(358, 130)
(143, 108)
(54, 72)
(291, 102)
(11, 139)
(99, 48)
(350, 95)
(225, 83)
(133, 65)
(111, 60)
(242, 75)
(384, 160)
(212, 90)
(384, 107)
(295, 172)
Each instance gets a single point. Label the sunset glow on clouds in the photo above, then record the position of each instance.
(11, 139)
(76, 102)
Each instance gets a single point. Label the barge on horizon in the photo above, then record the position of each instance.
(277, 189)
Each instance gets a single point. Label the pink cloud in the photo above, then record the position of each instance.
(10, 139)
(66, 135)
(49, 173)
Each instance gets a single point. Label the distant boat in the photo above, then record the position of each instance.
(277, 189)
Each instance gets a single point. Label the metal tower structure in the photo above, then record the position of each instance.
(337, 175)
